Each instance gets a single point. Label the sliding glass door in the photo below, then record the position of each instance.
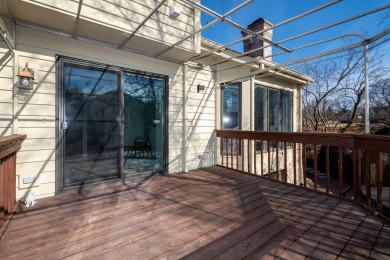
(111, 124)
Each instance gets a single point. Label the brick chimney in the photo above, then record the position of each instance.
(254, 43)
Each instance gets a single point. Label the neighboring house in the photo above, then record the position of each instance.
(345, 117)
(107, 103)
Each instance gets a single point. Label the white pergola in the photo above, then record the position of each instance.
(362, 42)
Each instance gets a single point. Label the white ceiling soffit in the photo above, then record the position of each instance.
(63, 18)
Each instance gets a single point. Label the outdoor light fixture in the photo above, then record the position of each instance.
(26, 78)
(201, 88)
(175, 12)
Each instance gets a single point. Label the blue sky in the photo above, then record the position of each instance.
(277, 11)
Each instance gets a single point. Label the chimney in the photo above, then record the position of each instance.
(254, 43)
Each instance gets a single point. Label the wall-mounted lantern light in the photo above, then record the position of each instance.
(26, 78)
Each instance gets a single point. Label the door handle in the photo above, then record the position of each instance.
(64, 125)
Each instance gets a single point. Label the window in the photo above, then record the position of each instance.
(231, 106)
(277, 105)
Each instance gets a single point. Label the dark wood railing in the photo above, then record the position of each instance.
(348, 165)
(9, 145)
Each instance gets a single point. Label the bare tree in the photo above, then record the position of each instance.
(338, 87)
(380, 100)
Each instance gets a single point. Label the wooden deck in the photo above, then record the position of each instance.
(203, 214)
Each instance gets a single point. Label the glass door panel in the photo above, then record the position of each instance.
(90, 127)
(143, 123)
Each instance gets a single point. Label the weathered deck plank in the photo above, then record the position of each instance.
(209, 213)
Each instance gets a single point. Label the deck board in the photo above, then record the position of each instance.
(208, 213)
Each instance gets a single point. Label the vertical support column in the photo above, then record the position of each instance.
(246, 115)
(367, 92)
(15, 101)
(197, 25)
(252, 150)
(184, 120)
(217, 110)
(297, 126)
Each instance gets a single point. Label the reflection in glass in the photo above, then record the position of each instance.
(143, 123)
(231, 106)
(274, 110)
(92, 135)
(260, 108)
(286, 99)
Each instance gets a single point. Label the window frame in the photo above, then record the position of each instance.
(280, 108)
(239, 105)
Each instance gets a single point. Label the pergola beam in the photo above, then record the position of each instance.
(6, 36)
(205, 27)
(230, 22)
(141, 24)
(76, 26)
(336, 23)
(320, 42)
(317, 30)
(341, 49)
(275, 26)
(285, 22)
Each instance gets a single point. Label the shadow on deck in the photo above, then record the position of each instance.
(206, 213)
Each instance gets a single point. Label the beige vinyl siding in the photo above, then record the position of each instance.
(6, 90)
(201, 116)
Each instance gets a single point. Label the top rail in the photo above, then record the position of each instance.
(370, 142)
(10, 144)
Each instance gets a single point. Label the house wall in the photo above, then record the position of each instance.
(34, 111)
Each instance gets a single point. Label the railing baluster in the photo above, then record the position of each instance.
(231, 152)
(222, 149)
(295, 162)
(237, 149)
(327, 169)
(368, 178)
(315, 167)
(269, 158)
(304, 164)
(254, 156)
(249, 159)
(277, 160)
(227, 152)
(340, 150)
(242, 156)
(261, 158)
(379, 181)
(357, 173)
(2, 193)
(285, 162)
